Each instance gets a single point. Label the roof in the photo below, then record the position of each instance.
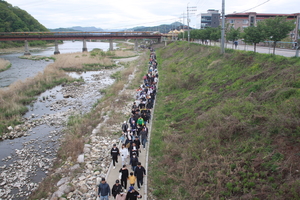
(262, 14)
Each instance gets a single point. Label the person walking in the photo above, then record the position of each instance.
(132, 194)
(144, 136)
(134, 161)
(139, 173)
(114, 152)
(124, 154)
(103, 190)
(121, 196)
(124, 127)
(132, 179)
(116, 189)
(133, 149)
(124, 176)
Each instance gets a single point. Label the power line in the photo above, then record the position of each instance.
(255, 6)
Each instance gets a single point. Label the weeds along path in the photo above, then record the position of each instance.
(92, 137)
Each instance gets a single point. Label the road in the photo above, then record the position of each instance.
(260, 49)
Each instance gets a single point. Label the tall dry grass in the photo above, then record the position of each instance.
(122, 53)
(4, 64)
(77, 60)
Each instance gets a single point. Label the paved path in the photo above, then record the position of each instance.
(113, 174)
(261, 49)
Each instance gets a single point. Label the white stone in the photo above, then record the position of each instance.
(80, 158)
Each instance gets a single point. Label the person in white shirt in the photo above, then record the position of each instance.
(124, 154)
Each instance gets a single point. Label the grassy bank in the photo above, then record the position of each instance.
(4, 65)
(225, 127)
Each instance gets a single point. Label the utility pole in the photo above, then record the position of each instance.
(183, 24)
(223, 28)
(297, 35)
(188, 19)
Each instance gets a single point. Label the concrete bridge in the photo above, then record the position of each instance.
(26, 36)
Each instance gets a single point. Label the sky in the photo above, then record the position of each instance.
(121, 14)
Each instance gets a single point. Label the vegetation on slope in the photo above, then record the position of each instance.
(225, 127)
(14, 19)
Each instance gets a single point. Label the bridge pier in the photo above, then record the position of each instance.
(111, 46)
(56, 51)
(26, 53)
(84, 49)
(135, 45)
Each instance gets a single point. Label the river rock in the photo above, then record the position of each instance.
(62, 181)
(80, 158)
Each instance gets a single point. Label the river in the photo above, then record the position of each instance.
(26, 160)
(23, 68)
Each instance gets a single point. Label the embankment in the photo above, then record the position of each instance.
(225, 126)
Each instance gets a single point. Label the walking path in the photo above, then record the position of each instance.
(260, 49)
(146, 90)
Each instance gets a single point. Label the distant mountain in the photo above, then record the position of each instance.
(14, 19)
(85, 29)
(92, 28)
(164, 28)
(62, 29)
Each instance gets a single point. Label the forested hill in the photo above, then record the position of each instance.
(14, 19)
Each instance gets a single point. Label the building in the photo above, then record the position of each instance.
(243, 20)
(210, 19)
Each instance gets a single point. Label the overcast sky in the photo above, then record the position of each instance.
(116, 14)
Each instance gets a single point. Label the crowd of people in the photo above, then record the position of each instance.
(134, 138)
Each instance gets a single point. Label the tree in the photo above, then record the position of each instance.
(277, 28)
(233, 34)
(254, 35)
(215, 34)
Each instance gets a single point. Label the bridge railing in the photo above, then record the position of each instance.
(34, 34)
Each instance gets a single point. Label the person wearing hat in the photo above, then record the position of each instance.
(103, 190)
(116, 189)
(139, 173)
(114, 152)
(132, 194)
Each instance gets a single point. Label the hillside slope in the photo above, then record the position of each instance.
(225, 127)
(14, 19)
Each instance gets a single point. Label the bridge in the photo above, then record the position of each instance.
(26, 36)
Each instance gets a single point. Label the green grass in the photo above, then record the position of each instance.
(221, 121)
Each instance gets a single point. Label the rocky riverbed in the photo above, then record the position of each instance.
(35, 143)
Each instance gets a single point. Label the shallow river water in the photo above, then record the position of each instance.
(23, 68)
(25, 161)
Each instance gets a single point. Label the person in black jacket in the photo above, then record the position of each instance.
(132, 194)
(134, 161)
(124, 127)
(114, 152)
(125, 174)
(139, 173)
(116, 189)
